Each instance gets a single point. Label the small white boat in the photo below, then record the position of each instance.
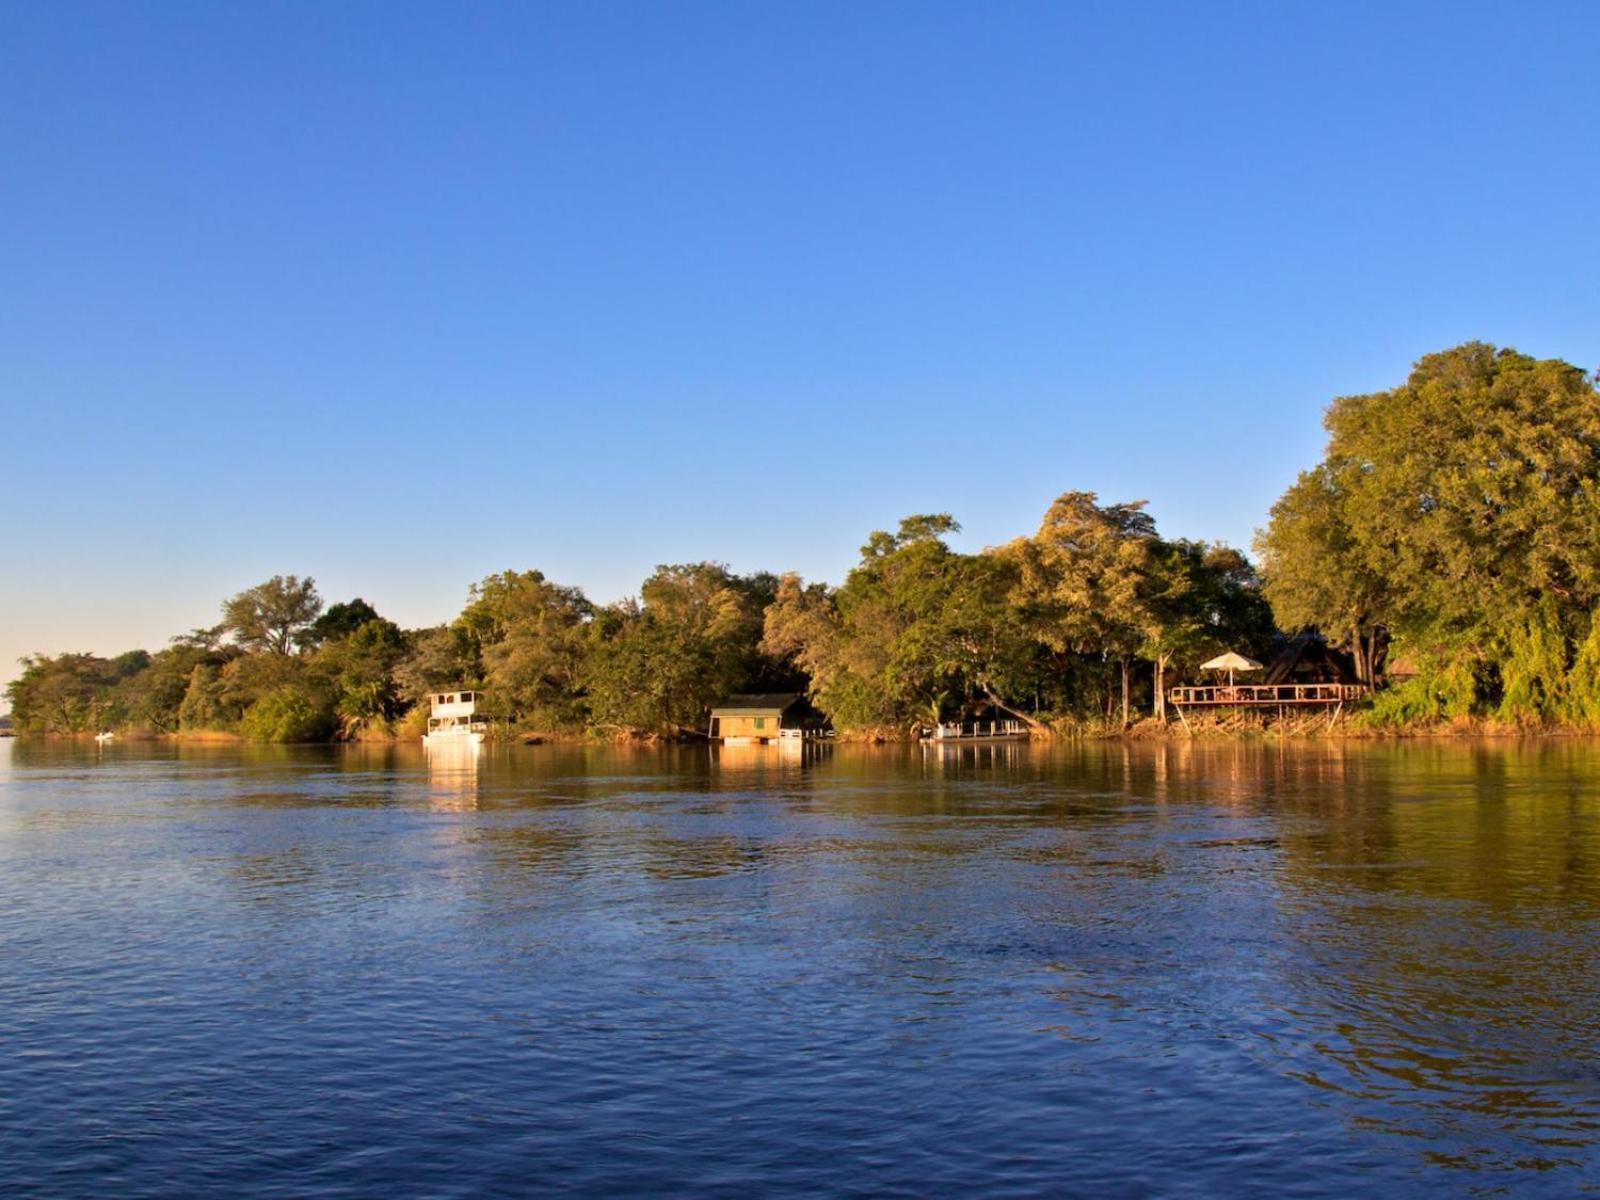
(452, 720)
(104, 736)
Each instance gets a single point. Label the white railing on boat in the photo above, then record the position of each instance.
(979, 729)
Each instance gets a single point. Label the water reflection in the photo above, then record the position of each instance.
(952, 756)
(453, 775)
(1189, 966)
(776, 758)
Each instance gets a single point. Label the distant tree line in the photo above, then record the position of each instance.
(1452, 528)
(280, 667)
(1049, 627)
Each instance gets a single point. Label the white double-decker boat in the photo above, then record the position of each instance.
(453, 720)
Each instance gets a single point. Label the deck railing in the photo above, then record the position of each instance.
(1268, 694)
(979, 729)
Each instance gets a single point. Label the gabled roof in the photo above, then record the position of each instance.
(757, 706)
(1311, 651)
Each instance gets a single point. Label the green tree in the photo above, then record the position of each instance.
(202, 706)
(246, 678)
(1533, 666)
(1087, 575)
(1460, 510)
(802, 627)
(359, 672)
(1199, 599)
(152, 696)
(341, 620)
(275, 616)
(1317, 574)
(692, 637)
(1583, 678)
(986, 640)
(289, 713)
(874, 661)
(1171, 619)
(436, 659)
(1473, 488)
(915, 630)
(527, 637)
(67, 693)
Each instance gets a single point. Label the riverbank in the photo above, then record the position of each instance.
(359, 737)
(1213, 726)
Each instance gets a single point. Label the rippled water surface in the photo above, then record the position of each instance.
(1217, 969)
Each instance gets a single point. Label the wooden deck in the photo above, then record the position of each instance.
(1266, 695)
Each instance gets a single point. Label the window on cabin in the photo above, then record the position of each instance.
(760, 723)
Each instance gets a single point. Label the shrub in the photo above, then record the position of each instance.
(1533, 667)
(1442, 691)
(287, 714)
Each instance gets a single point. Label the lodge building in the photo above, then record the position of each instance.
(766, 718)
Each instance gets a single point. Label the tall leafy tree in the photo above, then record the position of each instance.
(1462, 511)
(1200, 598)
(692, 637)
(874, 648)
(1318, 574)
(152, 697)
(202, 706)
(1087, 574)
(341, 620)
(436, 659)
(1474, 487)
(987, 638)
(275, 616)
(916, 632)
(527, 635)
(358, 670)
(1171, 617)
(66, 693)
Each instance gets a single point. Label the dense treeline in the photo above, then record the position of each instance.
(1047, 627)
(1453, 530)
(1449, 542)
(279, 667)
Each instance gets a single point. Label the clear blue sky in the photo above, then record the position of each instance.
(399, 295)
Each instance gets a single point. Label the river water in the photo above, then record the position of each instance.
(1105, 970)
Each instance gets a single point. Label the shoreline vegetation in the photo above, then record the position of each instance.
(1444, 553)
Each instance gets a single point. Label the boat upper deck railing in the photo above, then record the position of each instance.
(1268, 694)
(468, 721)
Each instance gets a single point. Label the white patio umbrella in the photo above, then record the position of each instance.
(1231, 662)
